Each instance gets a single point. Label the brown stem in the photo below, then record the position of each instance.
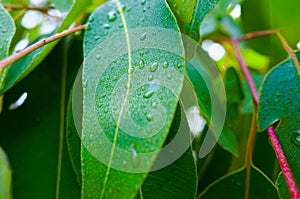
(26, 7)
(15, 57)
(289, 50)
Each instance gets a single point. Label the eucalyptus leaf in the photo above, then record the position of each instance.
(128, 101)
(279, 97)
(202, 8)
(179, 179)
(184, 10)
(24, 66)
(5, 176)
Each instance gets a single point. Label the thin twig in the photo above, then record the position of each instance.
(289, 50)
(15, 57)
(245, 71)
(26, 7)
(252, 35)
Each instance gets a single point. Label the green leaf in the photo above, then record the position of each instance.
(233, 186)
(5, 176)
(279, 101)
(283, 190)
(179, 179)
(202, 8)
(8, 29)
(24, 66)
(184, 10)
(205, 77)
(32, 133)
(121, 97)
(64, 5)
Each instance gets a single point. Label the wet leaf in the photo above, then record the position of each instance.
(283, 190)
(179, 179)
(279, 97)
(128, 101)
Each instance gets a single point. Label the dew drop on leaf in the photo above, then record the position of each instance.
(106, 26)
(130, 71)
(154, 105)
(141, 64)
(154, 67)
(148, 94)
(165, 64)
(295, 139)
(149, 117)
(112, 16)
(143, 36)
(151, 77)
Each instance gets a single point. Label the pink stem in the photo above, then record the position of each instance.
(245, 71)
(288, 176)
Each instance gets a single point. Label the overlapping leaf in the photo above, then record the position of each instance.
(279, 98)
(5, 176)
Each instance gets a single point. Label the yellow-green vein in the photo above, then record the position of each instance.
(62, 115)
(120, 8)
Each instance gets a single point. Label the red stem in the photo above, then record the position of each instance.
(288, 176)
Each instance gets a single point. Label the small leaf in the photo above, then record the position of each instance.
(184, 10)
(126, 113)
(233, 186)
(279, 101)
(5, 176)
(202, 8)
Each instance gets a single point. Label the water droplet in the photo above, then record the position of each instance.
(100, 104)
(169, 76)
(130, 71)
(151, 77)
(112, 16)
(98, 56)
(154, 67)
(295, 139)
(154, 105)
(141, 64)
(148, 94)
(121, 25)
(143, 2)
(106, 111)
(149, 117)
(165, 64)
(143, 36)
(106, 26)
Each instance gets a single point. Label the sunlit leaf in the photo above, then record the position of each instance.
(279, 97)
(124, 107)
(184, 10)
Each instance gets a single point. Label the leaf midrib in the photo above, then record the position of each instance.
(119, 7)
